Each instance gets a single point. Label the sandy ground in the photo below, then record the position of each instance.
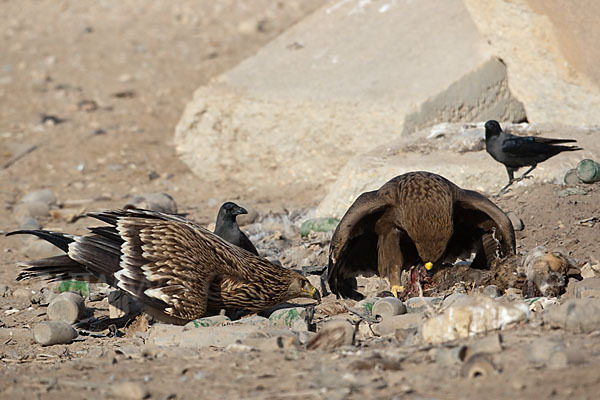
(118, 76)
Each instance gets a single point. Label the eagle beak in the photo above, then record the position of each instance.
(313, 293)
(428, 266)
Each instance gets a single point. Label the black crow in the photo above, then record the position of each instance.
(520, 151)
(227, 227)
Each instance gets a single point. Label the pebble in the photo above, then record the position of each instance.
(449, 357)
(130, 390)
(38, 248)
(30, 223)
(4, 291)
(43, 297)
(492, 291)
(45, 196)
(590, 271)
(48, 333)
(120, 304)
(22, 293)
(32, 209)
(388, 307)
(490, 344)
(67, 307)
(421, 304)
(161, 202)
(589, 287)
(333, 334)
(575, 315)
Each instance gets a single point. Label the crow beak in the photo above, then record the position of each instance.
(240, 210)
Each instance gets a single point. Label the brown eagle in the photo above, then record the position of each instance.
(179, 270)
(418, 218)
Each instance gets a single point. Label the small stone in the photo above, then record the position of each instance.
(421, 304)
(492, 291)
(48, 333)
(130, 390)
(22, 293)
(542, 349)
(388, 307)
(587, 271)
(247, 219)
(5, 291)
(449, 357)
(45, 196)
(31, 209)
(333, 334)
(589, 287)
(575, 315)
(30, 223)
(161, 202)
(43, 297)
(490, 344)
(120, 304)
(68, 307)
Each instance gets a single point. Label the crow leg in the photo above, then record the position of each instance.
(524, 176)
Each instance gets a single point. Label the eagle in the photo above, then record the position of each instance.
(418, 218)
(177, 269)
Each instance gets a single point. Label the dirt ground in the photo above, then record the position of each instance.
(96, 89)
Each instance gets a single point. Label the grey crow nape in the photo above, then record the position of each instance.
(520, 151)
(227, 227)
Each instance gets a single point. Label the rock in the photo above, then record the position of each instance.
(333, 334)
(171, 335)
(23, 293)
(457, 300)
(31, 209)
(492, 291)
(421, 304)
(43, 297)
(588, 171)
(542, 349)
(388, 307)
(45, 196)
(247, 219)
(20, 334)
(575, 315)
(589, 271)
(68, 307)
(48, 333)
(390, 325)
(129, 390)
(565, 358)
(589, 287)
(449, 357)
(29, 223)
(478, 366)
(318, 225)
(5, 291)
(463, 321)
(161, 202)
(37, 248)
(120, 304)
(292, 318)
(215, 320)
(490, 344)
(297, 105)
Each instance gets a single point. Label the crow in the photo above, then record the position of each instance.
(520, 151)
(227, 228)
